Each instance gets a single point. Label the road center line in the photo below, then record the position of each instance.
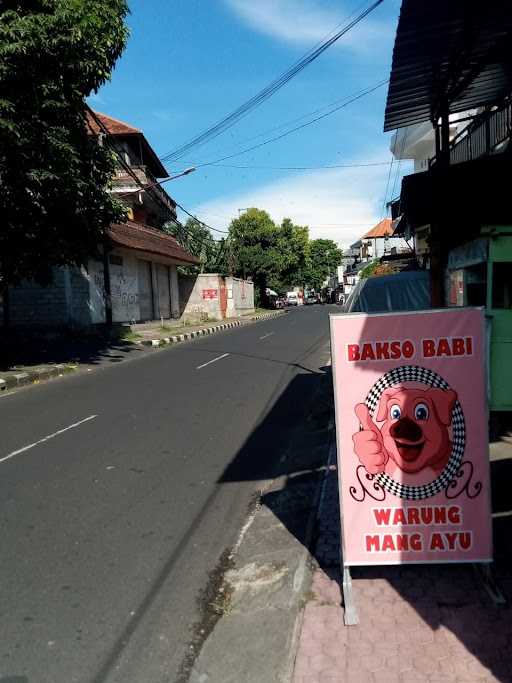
(266, 335)
(212, 361)
(47, 438)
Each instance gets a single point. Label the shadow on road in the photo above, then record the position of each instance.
(291, 444)
(25, 349)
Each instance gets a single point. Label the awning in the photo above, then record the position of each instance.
(453, 51)
(132, 235)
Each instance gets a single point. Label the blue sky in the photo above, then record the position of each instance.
(190, 62)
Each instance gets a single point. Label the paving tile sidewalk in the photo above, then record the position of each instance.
(431, 623)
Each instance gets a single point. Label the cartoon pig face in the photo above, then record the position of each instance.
(415, 430)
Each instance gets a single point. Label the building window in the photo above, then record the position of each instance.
(476, 285)
(501, 285)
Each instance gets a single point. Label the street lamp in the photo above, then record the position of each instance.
(160, 182)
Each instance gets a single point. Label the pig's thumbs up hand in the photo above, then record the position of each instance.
(368, 444)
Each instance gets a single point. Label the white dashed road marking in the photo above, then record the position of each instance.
(47, 438)
(212, 361)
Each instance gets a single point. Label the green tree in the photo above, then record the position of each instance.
(294, 248)
(325, 257)
(54, 176)
(254, 249)
(198, 240)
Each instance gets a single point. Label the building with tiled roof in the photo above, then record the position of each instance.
(383, 229)
(136, 277)
(138, 166)
(381, 240)
(143, 238)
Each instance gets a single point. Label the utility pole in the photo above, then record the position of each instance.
(439, 179)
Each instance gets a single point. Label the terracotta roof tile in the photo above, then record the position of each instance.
(382, 229)
(114, 126)
(95, 121)
(139, 236)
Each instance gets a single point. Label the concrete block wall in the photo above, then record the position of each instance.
(31, 304)
(195, 293)
(80, 313)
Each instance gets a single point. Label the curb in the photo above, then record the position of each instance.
(20, 379)
(187, 336)
(309, 568)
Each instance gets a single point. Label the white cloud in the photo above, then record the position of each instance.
(304, 22)
(338, 204)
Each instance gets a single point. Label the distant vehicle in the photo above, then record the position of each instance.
(292, 299)
(310, 300)
(280, 302)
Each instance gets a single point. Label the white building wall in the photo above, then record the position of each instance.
(240, 297)
(140, 289)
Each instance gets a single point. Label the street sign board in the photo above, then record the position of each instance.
(210, 293)
(412, 436)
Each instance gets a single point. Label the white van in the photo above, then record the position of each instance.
(292, 298)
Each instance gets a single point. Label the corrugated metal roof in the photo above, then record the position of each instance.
(458, 49)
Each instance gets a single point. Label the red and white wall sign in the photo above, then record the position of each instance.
(210, 293)
(412, 436)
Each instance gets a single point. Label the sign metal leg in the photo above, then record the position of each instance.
(350, 617)
(484, 573)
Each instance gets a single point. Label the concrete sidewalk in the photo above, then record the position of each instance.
(431, 623)
(155, 335)
(252, 619)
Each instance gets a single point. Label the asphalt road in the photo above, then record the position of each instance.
(121, 488)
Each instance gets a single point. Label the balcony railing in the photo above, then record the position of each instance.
(124, 179)
(482, 136)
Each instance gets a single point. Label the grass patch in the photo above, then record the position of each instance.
(129, 336)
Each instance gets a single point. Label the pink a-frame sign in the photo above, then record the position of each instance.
(412, 436)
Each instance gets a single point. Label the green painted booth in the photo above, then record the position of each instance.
(479, 273)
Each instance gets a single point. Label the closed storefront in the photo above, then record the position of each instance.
(164, 296)
(145, 291)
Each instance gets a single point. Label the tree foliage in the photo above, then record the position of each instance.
(254, 248)
(375, 268)
(54, 176)
(279, 256)
(325, 257)
(197, 240)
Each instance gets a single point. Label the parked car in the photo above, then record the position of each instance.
(292, 299)
(310, 300)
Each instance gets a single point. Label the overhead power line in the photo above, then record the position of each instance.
(225, 232)
(137, 180)
(269, 90)
(295, 120)
(294, 130)
(301, 168)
